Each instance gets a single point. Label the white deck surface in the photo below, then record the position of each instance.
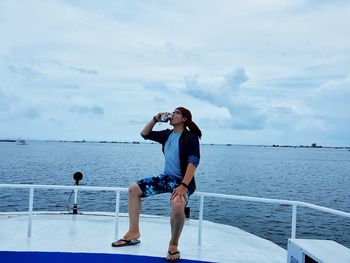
(94, 234)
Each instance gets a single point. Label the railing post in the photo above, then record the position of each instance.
(201, 206)
(75, 205)
(294, 221)
(30, 212)
(117, 215)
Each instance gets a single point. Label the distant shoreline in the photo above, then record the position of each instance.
(313, 146)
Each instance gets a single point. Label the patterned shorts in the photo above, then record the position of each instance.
(159, 185)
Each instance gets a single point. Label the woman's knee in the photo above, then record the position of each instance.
(134, 189)
(178, 205)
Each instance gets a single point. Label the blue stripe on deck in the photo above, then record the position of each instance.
(67, 257)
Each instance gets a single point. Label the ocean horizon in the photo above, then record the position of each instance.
(312, 145)
(310, 174)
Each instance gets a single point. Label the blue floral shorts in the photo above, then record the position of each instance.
(159, 185)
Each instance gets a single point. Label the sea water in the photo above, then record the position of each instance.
(316, 175)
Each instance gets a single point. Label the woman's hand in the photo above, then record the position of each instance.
(157, 116)
(180, 191)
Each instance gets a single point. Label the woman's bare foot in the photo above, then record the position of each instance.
(173, 253)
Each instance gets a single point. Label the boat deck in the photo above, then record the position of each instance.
(93, 233)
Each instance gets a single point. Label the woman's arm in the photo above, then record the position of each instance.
(149, 126)
(182, 188)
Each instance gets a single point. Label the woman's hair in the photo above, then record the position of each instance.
(189, 123)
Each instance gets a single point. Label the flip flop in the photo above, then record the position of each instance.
(127, 242)
(173, 254)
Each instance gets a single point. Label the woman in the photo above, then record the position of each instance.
(181, 151)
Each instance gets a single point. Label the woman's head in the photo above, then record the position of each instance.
(186, 118)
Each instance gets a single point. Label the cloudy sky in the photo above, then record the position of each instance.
(251, 72)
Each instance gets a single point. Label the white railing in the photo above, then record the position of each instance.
(117, 190)
(202, 195)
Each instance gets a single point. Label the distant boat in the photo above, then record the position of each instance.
(21, 142)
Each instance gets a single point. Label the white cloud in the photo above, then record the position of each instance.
(66, 64)
(92, 110)
(4, 103)
(334, 97)
(230, 95)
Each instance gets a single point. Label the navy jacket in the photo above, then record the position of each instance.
(188, 146)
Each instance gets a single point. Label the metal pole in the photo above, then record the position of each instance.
(30, 212)
(75, 206)
(117, 214)
(294, 221)
(75, 195)
(201, 205)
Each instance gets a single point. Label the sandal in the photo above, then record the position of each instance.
(172, 256)
(127, 242)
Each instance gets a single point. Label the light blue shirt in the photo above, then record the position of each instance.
(172, 155)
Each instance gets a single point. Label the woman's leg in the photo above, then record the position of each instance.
(177, 221)
(134, 209)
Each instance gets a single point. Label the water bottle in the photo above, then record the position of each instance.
(165, 117)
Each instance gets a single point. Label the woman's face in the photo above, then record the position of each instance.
(177, 118)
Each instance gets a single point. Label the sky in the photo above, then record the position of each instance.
(251, 72)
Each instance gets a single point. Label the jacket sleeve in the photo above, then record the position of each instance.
(157, 136)
(194, 152)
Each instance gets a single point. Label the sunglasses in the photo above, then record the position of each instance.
(177, 112)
